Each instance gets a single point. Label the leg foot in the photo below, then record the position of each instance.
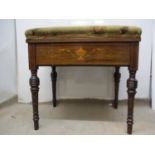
(117, 76)
(129, 129)
(36, 125)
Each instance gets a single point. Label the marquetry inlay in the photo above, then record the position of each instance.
(80, 53)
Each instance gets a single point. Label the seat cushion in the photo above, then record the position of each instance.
(82, 32)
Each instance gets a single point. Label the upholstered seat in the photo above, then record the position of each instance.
(86, 32)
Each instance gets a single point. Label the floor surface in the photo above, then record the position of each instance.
(75, 117)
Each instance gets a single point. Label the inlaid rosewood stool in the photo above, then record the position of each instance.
(84, 46)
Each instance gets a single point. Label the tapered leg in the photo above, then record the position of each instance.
(117, 76)
(54, 79)
(34, 83)
(132, 85)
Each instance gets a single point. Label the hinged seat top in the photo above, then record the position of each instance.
(83, 33)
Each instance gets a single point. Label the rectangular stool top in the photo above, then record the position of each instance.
(84, 33)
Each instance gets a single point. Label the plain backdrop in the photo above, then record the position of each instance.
(153, 69)
(8, 76)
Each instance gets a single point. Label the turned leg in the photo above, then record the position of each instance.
(34, 83)
(117, 76)
(131, 85)
(54, 78)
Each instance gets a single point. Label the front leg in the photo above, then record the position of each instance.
(131, 85)
(34, 83)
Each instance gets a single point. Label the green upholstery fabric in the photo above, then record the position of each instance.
(83, 30)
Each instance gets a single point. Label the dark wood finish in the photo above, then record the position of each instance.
(54, 79)
(131, 85)
(83, 54)
(32, 56)
(34, 83)
(81, 39)
(112, 51)
(117, 76)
